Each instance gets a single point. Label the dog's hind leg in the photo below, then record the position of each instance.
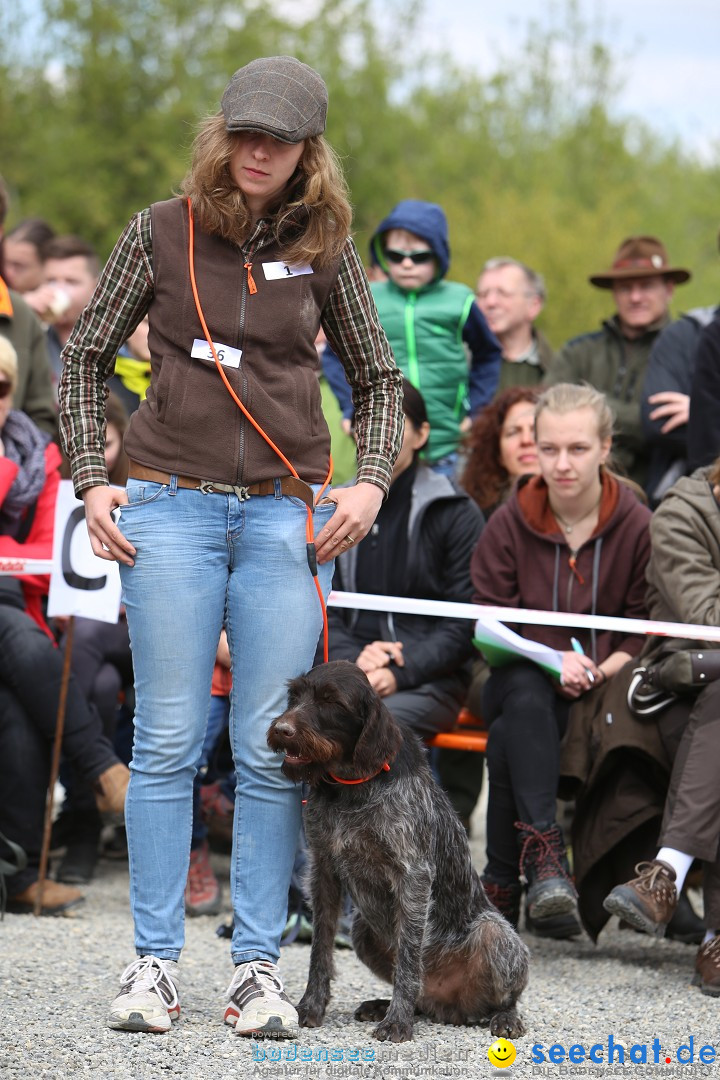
(379, 958)
(507, 1024)
(373, 1009)
(412, 903)
(499, 967)
(326, 905)
(371, 951)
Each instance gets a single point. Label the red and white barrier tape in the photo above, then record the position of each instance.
(404, 605)
(20, 567)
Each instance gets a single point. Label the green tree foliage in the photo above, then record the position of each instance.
(99, 100)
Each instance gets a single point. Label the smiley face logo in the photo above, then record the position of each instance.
(502, 1053)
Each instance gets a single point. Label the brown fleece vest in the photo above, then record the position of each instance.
(189, 424)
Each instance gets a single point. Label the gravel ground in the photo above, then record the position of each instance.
(58, 976)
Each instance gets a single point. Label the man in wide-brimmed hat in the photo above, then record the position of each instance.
(614, 358)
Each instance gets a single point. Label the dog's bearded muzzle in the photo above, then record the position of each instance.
(307, 752)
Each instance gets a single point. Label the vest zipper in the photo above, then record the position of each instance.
(247, 256)
(410, 340)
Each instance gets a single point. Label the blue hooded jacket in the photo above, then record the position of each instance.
(425, 219)
(431, 330)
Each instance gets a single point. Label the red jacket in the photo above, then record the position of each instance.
(39, 541)
(522, 560)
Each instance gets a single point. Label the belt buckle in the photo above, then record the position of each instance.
(210, 487)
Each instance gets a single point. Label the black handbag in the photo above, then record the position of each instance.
(678, 675)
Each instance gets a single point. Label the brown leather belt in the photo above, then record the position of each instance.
(289, 485)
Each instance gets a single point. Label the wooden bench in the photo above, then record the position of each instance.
(468, 734)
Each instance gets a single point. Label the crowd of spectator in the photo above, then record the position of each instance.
(570, 477)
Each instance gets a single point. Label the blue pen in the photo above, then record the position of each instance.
(577, 647)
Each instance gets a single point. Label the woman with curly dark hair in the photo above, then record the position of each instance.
(500, 447)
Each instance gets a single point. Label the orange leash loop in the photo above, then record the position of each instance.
(309, 525)
(251, 280)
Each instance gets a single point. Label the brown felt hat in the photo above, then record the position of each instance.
(279, 95)
(640, 256)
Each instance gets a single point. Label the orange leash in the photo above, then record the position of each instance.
(309, 524)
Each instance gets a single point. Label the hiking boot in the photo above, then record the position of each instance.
(648, 902)
(115, 847)
(505, 898)
(57, 899)
(558, 927)
(544, 868)
(77, 865)
(202, 892)
(111, 788)
(686, 925)
(148, 999)
(257, 1002)
(707, 968)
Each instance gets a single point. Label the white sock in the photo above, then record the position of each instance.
(679, 861)
(709, 935)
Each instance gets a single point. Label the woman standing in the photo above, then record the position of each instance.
(572, 539)
(212, 528)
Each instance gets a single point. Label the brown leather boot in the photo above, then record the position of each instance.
(111, 789)
(57, 899)
(707, 968)
(648, 902)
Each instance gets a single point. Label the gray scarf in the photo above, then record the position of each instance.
(24, 445)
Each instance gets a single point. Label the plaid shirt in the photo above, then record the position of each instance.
(123, 296)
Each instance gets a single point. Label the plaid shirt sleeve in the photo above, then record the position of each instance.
(351, 323)
(117, 306)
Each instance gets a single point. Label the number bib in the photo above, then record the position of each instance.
(227, 356)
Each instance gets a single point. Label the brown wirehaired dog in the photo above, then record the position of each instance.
(378, 825)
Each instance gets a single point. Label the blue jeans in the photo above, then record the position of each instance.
(201, 560)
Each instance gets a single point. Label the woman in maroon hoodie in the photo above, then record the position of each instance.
(573, 539)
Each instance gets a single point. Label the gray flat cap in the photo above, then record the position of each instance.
(279, 95)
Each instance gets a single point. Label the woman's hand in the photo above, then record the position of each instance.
(379, 654)
(357, 508)
(579, 674)
(106, 539)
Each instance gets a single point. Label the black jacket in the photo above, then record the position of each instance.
(704, 426)
(443, 525)
(671, 367)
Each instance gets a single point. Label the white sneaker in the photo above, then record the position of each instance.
(258, 1002)
(148, 1000)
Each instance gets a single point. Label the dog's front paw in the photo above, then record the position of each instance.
(309, 1014)
(394, 1031)
(375, 1009)
(507, 1024)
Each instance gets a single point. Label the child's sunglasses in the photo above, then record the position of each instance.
(416, 257)
(5, 388)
